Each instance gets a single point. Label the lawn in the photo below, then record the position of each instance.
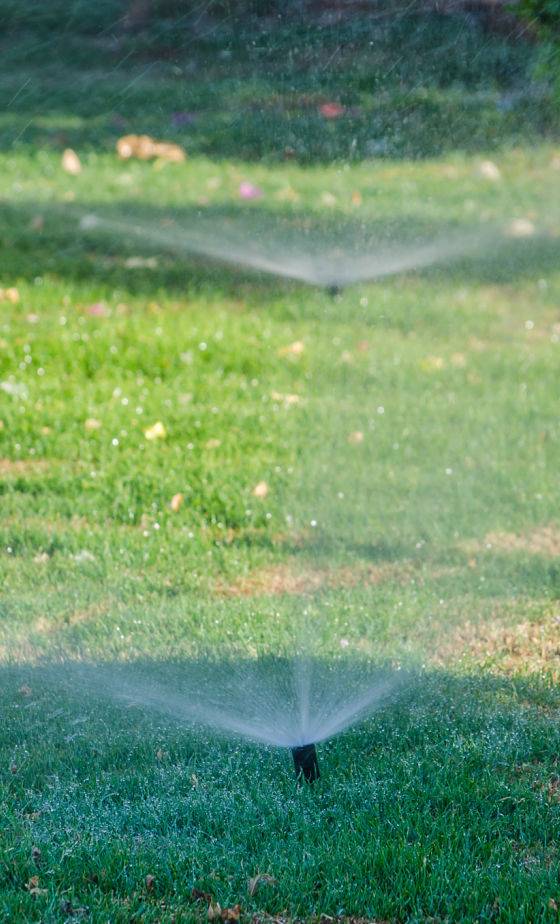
(201, 461)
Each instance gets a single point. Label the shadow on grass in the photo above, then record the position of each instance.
(408, 82)
(145, 249)
(442, 801)
(209, 701)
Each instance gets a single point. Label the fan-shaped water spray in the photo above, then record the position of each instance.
(291, 703)
(326, 257)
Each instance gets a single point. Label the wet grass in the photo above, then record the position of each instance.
(409, 453)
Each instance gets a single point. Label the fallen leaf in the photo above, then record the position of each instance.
(11, 294)
(214, 911)
(143, 147)
(327, 198)
(199, 896)
(13, 768)
(169, 152)
(92, 424)
(293, 349)
(260, 490)
(25, 690)
(489, 171)
(37, 223)
(213, 444)
(331, 110)
(150, 882)
(287, 400)
(521, 227)
(176, 502)
(260, 879)
(71, 162)
(231, 914)
(156, 432)
(36, 854)
(32, 887)
(356, 198)
(552, 904)
(249, 191)
(356, 438)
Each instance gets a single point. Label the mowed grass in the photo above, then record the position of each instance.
(406, 435)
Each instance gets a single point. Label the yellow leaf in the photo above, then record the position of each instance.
(92, 424)
(293, 349)
(143, 147)
(156, 432)
(176, 502)
(71, 162)
(287, 400)
(10, 294)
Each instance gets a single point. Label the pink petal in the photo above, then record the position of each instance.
(98, 310)
(249, 191)
(331, 110)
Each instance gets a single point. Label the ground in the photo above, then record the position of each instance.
(200, 460)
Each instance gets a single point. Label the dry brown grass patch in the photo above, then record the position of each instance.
(543, 540)
(46, 625)
(287, 579)
(529, 647)
(14, 468)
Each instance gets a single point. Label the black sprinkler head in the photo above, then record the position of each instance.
(306, 763)
(334, 290)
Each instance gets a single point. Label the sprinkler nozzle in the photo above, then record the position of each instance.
(306, 763)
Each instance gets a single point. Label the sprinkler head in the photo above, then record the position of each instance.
(306, 763)
(333, 291)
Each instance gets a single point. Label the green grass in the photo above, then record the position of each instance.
(435, 538)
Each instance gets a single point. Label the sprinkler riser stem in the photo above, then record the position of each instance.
(306, 763)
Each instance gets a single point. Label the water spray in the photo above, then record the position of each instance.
(306, 763)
